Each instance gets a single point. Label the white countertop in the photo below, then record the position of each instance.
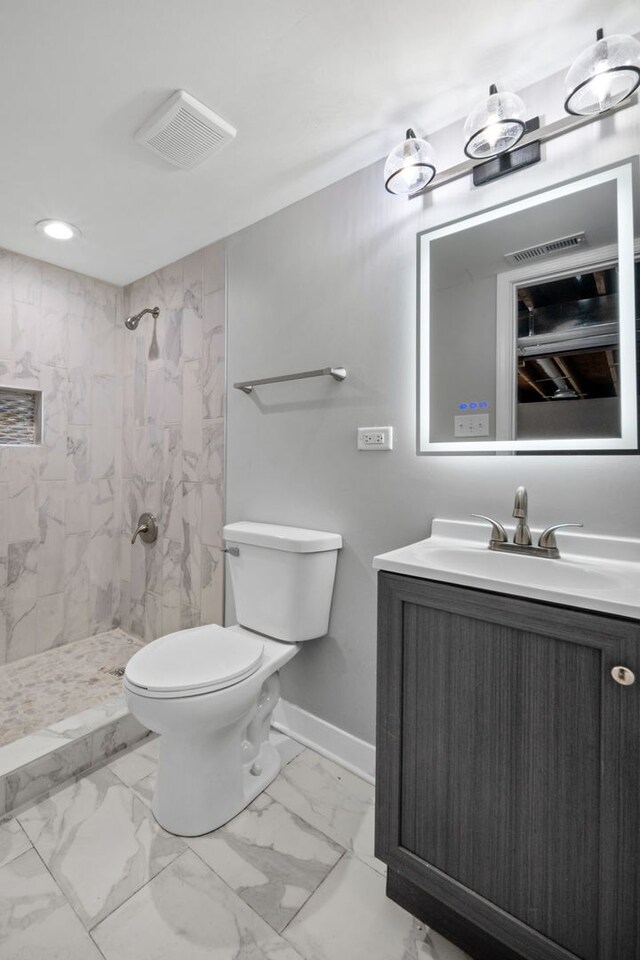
(593, 573)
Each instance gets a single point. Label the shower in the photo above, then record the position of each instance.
(132, 322)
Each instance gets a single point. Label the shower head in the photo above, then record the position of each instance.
(132, 322)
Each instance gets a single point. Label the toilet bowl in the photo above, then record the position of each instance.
(210, 691)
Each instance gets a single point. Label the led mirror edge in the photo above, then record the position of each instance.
(627, 311)
(626, 174)
(627, 442)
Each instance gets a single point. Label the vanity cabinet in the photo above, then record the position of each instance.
(508, 771)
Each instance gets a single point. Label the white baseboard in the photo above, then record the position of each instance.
(343, 748)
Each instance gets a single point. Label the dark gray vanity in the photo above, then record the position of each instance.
(508, 769)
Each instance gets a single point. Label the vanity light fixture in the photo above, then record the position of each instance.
(604, 74)
(410, 167)
(494, 125)
(57, 229)
(602, 79)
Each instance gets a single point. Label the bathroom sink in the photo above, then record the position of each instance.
(478, 561)
(593, 572)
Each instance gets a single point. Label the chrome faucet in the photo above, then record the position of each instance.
(547, 544)
(522, 534)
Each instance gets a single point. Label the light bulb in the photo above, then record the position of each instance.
(412, 176)
(492, 133)
(57, 229)
(601, 84)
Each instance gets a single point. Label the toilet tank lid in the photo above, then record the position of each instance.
(279, 537)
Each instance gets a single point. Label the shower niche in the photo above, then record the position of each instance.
(20, 417)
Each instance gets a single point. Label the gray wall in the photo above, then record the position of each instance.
(332, 280)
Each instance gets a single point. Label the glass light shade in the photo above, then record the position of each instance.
(603, 75)
(410, 167)
(494, 125)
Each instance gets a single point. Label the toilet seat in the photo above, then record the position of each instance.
(193, 662)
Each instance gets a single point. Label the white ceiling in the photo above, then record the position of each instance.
(474, 253)
(316, 88)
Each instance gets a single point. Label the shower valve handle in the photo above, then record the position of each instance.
(147, 529)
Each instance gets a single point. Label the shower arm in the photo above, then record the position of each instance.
(132, 322)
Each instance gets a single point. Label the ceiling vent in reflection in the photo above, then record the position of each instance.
(184, 132)
(546, 249)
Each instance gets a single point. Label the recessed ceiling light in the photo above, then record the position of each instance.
(57, 229)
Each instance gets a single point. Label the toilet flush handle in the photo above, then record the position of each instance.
(234, 551)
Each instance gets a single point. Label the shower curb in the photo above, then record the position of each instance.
(40, 762)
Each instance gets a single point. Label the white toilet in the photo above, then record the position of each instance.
(210, 691)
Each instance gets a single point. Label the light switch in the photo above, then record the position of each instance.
(472, 425)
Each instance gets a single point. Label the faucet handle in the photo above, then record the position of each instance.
(548, 536)
(498, 532)
(147, 529)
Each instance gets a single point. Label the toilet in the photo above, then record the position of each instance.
(210, 691)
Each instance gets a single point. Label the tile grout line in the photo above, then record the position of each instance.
(311, 895)
(91, 930)
(16, 855)
(278, 933)
(64, 896)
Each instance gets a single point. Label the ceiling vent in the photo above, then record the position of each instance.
(546, 249)
(185, 132)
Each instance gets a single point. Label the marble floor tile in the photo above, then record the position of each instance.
(270, 857)
(13, 841)
(286, 747)
(332, 799)
(36, 922)
(349, 916)
(100, 842)
(144, 788)
(188, 913)
(137, 764)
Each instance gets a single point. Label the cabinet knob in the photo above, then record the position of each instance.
(623, 676)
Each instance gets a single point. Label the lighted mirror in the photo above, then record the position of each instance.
(527, 324)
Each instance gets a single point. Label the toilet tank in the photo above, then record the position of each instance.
(282, 578)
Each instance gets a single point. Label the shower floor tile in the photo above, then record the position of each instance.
(49, 687)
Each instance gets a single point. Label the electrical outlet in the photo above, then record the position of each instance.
(472, 425)
(375, 438)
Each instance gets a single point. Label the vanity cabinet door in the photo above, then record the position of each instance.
(507, 781)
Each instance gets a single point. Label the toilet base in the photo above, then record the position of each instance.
(207, 808)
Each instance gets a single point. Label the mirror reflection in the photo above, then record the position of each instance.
(527, 324)
(568, 356)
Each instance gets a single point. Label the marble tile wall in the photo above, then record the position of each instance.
(173, 380)
(58, 500)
